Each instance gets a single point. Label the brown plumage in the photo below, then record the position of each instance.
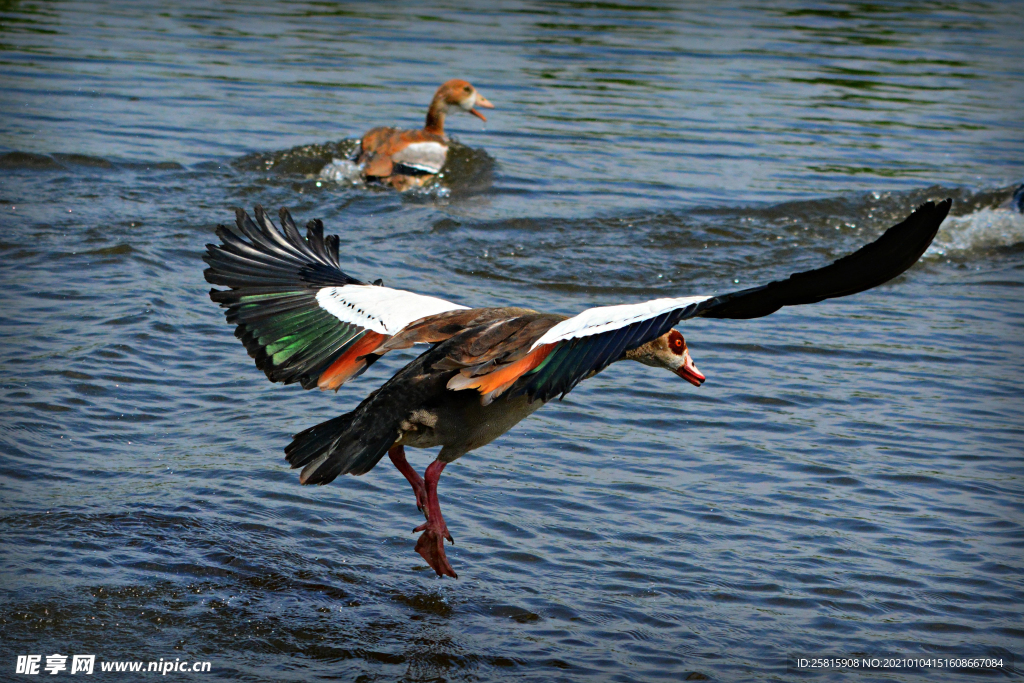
(407, 158)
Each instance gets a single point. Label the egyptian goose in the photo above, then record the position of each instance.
(408, 158)
(306, 321)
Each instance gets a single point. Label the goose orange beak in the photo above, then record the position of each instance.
(481, 101)
(689, 372)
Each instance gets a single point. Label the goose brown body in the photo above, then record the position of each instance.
(408, 158)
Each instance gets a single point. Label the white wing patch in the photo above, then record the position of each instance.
(423, 156)
(605, 318)
(381, 309)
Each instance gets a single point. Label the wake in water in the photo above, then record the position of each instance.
(466, 170)
(985, 228)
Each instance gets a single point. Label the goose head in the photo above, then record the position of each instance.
(668, 351)
(459, 93)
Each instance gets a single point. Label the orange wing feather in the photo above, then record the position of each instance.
(497, 381)
(350, 362)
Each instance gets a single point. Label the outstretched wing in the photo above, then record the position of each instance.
(298, 314)
(566, 353)
(896, 250)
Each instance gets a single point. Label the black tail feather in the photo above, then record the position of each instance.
(309, 444)
(352, 443)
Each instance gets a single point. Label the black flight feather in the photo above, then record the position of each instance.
(896, 250)
(274, 276)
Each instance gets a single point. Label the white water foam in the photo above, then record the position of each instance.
(350, 173)
(982, 229)
(342, 171)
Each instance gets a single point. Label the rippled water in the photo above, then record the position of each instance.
(847, 481)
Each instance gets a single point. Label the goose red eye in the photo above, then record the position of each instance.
(676, 343)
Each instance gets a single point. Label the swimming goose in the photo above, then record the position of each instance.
(304, 320)
(408, 158)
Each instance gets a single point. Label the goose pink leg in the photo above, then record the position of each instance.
(431, 543)
(397, 455)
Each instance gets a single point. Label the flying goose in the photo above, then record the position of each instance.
(304, 320)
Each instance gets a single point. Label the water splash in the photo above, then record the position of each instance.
(466, 171)
(982, 230)
(343, 171)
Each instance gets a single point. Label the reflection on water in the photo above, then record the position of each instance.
(847, 478)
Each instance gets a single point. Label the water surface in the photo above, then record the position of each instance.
(847, 481)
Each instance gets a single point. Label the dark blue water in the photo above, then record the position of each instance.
(849, 479)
